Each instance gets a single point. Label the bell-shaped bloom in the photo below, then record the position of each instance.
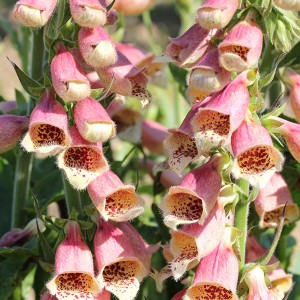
(258, 289)
(180, 145)
(123, 259)
(153, 135)
(68, 78)
(193, 242)
(113, 199)
(207, 76)
(18, 236)
(217, 274)
(12, 128)
(88, 13)
(82, 161)
(281, 282)
(134, 7)
(241, 47)
(140, 58)
(125, 79)
(7, 106)
(92, 121)
(96, 47)
(192, 200)
(256, 159)
(186, 245)
(48, 127)
(34, 13)
(288, 4)
(216, 13)
(271, 201)
(290, 132)
(74, 276)
(128, 121)
(214, 123)
(187, 49)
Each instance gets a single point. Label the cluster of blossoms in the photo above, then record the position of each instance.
(221, 135)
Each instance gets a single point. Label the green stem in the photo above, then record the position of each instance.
(25, 160)
(241, 220)
(73, 198)
(21, 187)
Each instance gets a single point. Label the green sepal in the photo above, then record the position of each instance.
(32, 87)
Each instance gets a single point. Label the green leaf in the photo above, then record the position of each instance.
(32, 87)
(179, 74)
(269, 78)
(109, 7)
(21, 102)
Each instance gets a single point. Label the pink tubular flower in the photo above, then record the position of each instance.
(153, 135)
(18, 236)
(290, 132)
(96, 47)
(126, 80)
(48, 127)
(187, 49)
(217, 274)
(92, 121)
(256, 159)
(88, 13)
(216, 13)
(241, 48)
(195, 95)
(288, 4)
(180, 145)
(214, 123)
(34, 13)
(192, 200)
(281, 282)
(12, 129)
(271, 201)
(113, 199)
(258, 289)
(207, 76)
(187, 244)
(123, 259)
(74, 268)
(82, 161)
(134, 7)
(68, 78)
(293, 79)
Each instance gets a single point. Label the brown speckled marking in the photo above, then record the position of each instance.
(83, 158)
(185, 247)
(241, 51)
(210, 292)
(45, 134)
(212, 120)
(255, 160)
(186, 147)
(185, 206)
(119, 203)
(121, 273)
(74, 282)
